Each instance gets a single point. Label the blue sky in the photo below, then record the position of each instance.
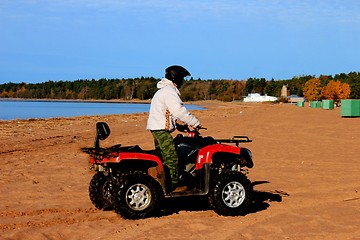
(43, 40)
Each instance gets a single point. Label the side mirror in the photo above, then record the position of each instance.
(102, 133)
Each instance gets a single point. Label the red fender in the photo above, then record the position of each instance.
(205, 154)
(137, 156)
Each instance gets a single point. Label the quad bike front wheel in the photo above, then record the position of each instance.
(137, 196)
(230, 194)
(100, 191)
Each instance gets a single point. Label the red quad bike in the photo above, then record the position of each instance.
(134, 182)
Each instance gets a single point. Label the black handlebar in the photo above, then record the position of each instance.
(185, 128)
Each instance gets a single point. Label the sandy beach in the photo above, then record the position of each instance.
(306, 177)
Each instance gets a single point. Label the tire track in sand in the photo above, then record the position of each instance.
(10, 220)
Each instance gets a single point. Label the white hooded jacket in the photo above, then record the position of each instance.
(166, 107)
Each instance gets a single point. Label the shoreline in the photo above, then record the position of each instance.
(135, 101)
(124, 110)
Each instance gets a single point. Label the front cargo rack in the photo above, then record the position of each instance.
(235, 139)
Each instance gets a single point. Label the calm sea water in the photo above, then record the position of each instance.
(10, 110)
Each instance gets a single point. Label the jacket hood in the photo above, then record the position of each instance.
(166, 82)
(163, 83)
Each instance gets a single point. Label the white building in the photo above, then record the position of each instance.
(256, 97)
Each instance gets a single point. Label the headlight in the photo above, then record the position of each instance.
(246, 155)
(249, 152)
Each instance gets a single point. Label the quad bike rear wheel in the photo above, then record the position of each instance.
(137, 196)
(100, 191)
(230, 194)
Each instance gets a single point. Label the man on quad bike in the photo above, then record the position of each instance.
(165, 109)
(135, 182)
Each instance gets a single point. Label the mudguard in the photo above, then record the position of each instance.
(206, 153)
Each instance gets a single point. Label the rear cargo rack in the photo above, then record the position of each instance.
(235, 139)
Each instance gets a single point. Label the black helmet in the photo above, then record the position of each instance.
(176, 74)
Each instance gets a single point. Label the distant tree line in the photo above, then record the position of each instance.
(127, 89)
(192, 90)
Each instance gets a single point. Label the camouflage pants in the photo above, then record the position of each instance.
(164, 145)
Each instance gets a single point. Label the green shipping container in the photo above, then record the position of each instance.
(350, 108)
(328, 104)
(315, 104)
(300, 104)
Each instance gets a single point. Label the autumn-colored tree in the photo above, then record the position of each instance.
(20, 93)
(312, 89)
(335, 90)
